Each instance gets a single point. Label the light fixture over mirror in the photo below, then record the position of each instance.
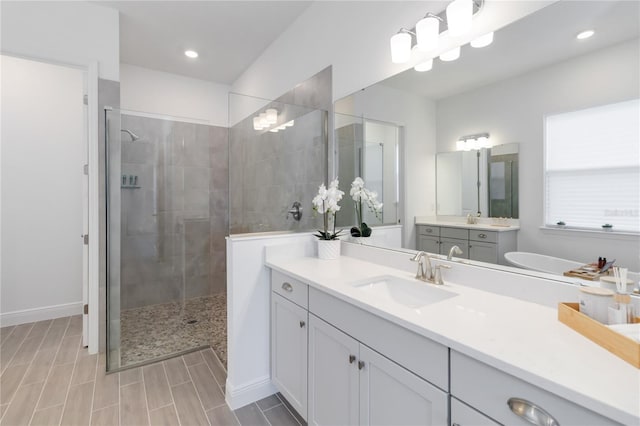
(459, 15)
(428, 32)
(473, 142)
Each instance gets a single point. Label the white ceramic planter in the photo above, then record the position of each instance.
(328, 249)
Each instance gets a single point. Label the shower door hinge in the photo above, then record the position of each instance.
(85, 169)
(85, 99)
(85, 238)
(86, 309)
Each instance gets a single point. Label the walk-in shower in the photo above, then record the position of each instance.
(166, 186)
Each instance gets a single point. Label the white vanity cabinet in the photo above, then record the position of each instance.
(476, 244)
(289, 341)
(350, 384)
(428, 238)
(510, 400)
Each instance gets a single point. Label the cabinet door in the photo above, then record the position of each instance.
(333, 375)
(447, 243)
(289, 351)
(428, 244)
(463, 415)
(391, 395)
(483, 252)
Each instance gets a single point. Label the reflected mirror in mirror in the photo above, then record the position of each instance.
(535, 68)
(481, 183)
(368, 149)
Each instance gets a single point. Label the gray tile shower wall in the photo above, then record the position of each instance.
(270, 171)
(174, 219)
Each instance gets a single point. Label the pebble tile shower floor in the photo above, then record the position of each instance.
(48, 378)
(157, 331)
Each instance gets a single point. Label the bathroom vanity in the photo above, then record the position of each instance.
(357, 342)
(481, 242)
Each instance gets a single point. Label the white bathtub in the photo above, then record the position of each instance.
(541, 262)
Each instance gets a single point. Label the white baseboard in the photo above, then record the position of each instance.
(40, 314)
(237, 397)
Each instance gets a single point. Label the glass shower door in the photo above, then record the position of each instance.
(159, 261)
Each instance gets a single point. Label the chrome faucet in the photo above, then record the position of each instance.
(454, 249)
(422, 274)
(431, 275)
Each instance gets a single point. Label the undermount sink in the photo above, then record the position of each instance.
(410, 293)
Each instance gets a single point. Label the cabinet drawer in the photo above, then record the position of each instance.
(457, 233)
(290, 288)
(489, 390)
(433, 231)
(463, 415)
(484, 236)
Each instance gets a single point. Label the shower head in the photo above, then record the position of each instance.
(134, 137)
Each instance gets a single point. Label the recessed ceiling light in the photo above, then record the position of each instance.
(585, 34)
(191, 54)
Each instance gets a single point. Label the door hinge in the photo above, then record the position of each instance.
(85, 99)
(86, 309)
(85, 238)
(85, 169)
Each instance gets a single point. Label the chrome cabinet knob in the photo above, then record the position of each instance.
(287, 287)
(302, 324)
(352, 359)
(360, 365)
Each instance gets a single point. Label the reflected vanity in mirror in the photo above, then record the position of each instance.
(535, 68)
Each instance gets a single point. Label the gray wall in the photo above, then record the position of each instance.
(174, 224)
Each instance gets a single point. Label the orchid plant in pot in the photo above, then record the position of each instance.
(362, 197)
(326, 203)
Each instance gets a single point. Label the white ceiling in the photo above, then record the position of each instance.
(228, 35)
(543, 38)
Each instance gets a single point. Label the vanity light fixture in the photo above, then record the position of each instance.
(471, 142)
(482, 41)
(425, 36)
(450, 55)
(267, 119)
(428, 32)
(272, 115)
(191, 54)
(424, 66)
(401, 47)
(459, 15)
(585, 34)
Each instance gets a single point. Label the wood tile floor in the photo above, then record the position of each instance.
(47, 378)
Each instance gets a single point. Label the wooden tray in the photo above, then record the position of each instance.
(619, 345)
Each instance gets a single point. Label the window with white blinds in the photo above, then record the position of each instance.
(592, 167)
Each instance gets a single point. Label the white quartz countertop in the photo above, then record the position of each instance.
(521, 338)
(478, 226)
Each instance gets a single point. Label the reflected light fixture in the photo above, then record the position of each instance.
(401, 47)
(585, 34)
(482, 41)
(428, 32)
(471, 142)
(450, 55)
(424, 66)
(459, 16)
(191, 54)
(272, 115)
